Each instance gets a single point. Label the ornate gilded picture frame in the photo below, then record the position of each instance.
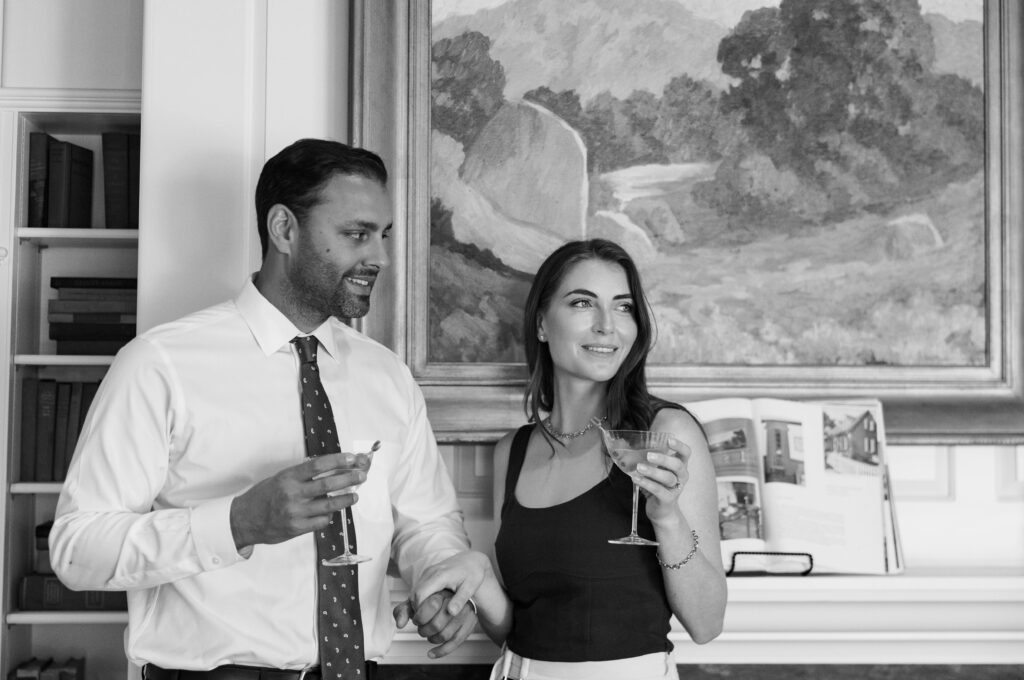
(945, 356)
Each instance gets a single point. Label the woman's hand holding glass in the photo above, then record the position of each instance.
(661, 479)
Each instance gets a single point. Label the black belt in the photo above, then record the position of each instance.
(153, 672)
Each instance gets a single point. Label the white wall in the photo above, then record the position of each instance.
(54, 44)
(226, 84)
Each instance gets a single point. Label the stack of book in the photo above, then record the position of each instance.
(41, 590)
(48, 669)
(61, 176)
(52, 413)
(45, 592)
(92, 315)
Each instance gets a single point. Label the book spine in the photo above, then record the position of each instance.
(90, 317)
(60, 282)
(90, 306)
(29, 412)
(80, 188)
(42, 563)
(74, 428)
(46, 420)
(46, 592)
(92, 331)
(88, 393)
(58, 184)
(89, 347)
(134, 142)
(60, 429)
(97, 294)
(32, 668)
(38, 162)
(115, 179)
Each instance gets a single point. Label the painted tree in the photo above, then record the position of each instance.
(690, 125)
(467, 85)
(841, 110)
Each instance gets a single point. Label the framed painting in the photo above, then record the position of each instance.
(824, 196)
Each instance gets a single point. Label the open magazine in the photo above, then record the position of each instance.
(802, 486)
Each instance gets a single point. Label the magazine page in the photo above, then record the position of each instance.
(854, 432)
(841, 525)
(736, 454)
(801, 484)
(828, 499)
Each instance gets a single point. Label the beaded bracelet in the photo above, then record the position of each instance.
(689, 556)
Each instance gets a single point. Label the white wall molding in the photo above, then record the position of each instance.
(921, 472)
(1010, 473)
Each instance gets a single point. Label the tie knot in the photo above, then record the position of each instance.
(306, 347)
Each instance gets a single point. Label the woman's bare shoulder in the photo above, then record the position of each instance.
(682, 424)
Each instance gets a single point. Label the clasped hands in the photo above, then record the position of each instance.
(439, 605)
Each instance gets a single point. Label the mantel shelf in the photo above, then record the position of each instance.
(940, 615)
(72, 238)
(934, 616)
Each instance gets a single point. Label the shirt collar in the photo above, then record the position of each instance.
(271, 328)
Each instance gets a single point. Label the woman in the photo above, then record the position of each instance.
(579, 606)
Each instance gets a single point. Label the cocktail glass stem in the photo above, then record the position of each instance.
(343, 515)
(636, 504)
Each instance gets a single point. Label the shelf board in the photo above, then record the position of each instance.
(36, 487)
(921, 584)
(66, 617)
(85, 112)
(61, 360)
(71, 238)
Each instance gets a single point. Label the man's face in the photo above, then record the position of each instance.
(341, 249)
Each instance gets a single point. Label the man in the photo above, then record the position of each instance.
(195, 485)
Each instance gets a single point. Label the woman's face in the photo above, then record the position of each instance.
(589, 322)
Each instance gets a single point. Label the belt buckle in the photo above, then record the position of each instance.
(307, 672)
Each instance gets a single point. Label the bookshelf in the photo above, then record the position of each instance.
(33, 256)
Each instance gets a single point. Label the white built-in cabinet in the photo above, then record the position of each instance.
(72, 70)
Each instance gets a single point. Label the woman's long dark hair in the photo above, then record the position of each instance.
(630, 405)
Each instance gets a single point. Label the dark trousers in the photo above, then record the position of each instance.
(152, 672)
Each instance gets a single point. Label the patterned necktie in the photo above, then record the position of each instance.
(340, 626)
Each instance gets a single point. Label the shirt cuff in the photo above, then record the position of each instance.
(210, 524)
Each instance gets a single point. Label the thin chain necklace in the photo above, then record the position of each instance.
(569, 436)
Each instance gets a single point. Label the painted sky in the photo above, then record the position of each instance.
(726, 13)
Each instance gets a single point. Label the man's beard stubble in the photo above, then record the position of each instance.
(316, 287)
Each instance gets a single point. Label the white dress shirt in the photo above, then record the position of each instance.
(193, 413)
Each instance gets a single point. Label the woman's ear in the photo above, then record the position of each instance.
(542, 334)
(281, 228)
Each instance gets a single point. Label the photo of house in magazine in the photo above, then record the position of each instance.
(801, 485)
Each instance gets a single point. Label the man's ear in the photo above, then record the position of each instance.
(281, 228)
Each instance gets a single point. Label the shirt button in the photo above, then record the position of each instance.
(216, 560)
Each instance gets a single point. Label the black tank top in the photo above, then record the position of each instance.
(576, 597)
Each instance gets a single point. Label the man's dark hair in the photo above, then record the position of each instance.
(296, 175)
